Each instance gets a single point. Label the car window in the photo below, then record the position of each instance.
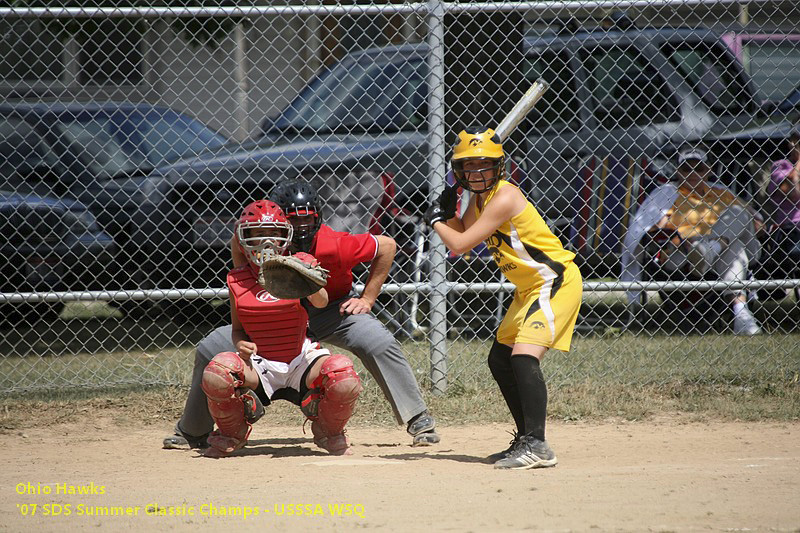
(316, 112)
(167, 136)
(365, 96)
(559, 107)
(712, 75)
(96, 137)
(626, 89)
(23, 151)
(385, 98)
(773, 64)
(413, 95)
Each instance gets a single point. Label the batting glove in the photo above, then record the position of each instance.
(444, 208)
(448, 200)
(435, 214)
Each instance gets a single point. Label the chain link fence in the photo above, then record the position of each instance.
(132, 135)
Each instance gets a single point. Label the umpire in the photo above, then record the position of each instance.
(346, 322)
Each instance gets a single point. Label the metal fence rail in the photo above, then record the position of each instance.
(131, 137)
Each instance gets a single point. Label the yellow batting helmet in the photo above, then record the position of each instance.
(478, 143)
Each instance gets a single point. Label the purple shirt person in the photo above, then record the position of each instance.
(784, 190)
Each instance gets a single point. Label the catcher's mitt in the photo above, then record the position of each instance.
(289, 277)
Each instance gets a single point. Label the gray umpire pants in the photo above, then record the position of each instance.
(363, 335)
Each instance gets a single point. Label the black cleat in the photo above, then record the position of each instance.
(528, 452)
(505, 453)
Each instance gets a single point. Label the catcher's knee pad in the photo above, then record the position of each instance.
(339, 386)
(222, 378)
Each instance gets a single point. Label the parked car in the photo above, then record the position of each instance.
(48, 244)
(772, 60)
(621, 99)
(790, 105)
(96, 154)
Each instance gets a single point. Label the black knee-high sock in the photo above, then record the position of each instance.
(532, 392)
(500, 365)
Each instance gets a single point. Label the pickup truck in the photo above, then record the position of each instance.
(622, 101)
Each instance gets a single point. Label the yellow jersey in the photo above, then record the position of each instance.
(694, 213)
(525, 249)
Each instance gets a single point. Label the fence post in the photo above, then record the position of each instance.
(436, 136)
(242, 113)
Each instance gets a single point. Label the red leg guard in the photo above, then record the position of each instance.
(339, 390)
(221, 379)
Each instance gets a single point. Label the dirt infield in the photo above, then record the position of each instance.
(657, 476)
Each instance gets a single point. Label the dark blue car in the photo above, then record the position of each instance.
(48, 244)
(96, 154)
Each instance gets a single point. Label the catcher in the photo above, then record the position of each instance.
(346, 322)
(274, 359)
(548, 285)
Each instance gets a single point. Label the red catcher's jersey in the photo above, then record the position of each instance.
(277, 327)
(339, 252)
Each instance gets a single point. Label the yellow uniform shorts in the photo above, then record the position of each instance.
(546, 315)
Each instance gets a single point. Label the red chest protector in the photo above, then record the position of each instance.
(277, 327)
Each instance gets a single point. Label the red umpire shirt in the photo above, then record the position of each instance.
(339, 252)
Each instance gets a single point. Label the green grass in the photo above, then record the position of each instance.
(61, 371)
(620, 376)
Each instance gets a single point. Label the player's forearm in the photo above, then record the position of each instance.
(456, 223)
(238, 335)
(319, 299)
(379, 268)
(455, 240)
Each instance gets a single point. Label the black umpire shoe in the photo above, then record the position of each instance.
(423, 429)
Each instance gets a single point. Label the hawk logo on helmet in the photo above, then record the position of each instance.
(475, 141)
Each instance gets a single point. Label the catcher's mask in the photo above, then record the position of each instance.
(481, 145)
(300, 202)
(262, 230)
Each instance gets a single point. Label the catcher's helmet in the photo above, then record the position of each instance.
(300, 202)
(262, 230)
(478, 143)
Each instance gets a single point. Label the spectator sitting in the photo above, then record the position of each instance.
(784, 191)
(783, 238)
(784, 186)
(713, 231)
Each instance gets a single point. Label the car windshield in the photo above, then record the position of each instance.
(124, 143)
(167, 135)
(363, 97)
(791, 101)
(708, 70)
(102, 150)
(774, 64)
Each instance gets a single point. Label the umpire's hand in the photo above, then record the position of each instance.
(355, 306)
